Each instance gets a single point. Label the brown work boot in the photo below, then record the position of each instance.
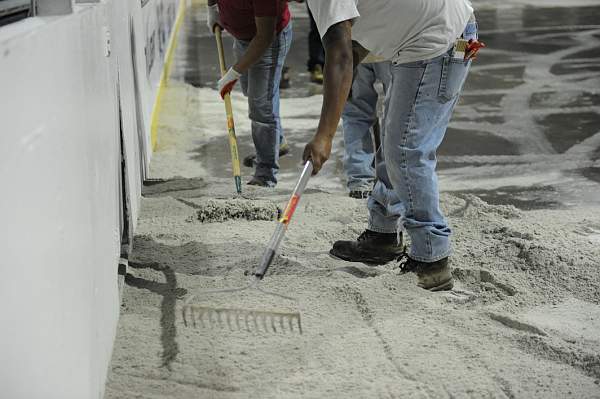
(370, 247)
(434, 276)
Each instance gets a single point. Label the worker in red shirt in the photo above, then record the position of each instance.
(263, 34)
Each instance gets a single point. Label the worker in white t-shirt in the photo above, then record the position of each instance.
(430, 44)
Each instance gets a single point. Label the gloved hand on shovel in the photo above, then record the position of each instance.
(226, 83)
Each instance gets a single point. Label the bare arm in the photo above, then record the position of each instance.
(337, 80)
(265, 32)
(337, 77)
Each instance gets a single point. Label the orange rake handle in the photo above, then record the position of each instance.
(283, 222)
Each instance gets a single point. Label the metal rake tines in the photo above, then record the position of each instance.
(241, 319)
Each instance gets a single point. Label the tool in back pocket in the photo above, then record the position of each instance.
(460, 46)
(466, 50)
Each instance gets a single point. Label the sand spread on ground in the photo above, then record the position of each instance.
(522, 321)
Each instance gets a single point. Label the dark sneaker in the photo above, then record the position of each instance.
(434, 276)
(255, 181)
(360, 194)
(371, 248)
(250, 160)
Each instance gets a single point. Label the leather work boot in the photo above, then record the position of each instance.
(370, 247)
(434, 276)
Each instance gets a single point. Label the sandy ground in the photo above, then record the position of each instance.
(522, 322)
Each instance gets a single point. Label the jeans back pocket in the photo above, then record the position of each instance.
(454, 74)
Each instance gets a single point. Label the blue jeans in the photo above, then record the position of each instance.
(419, 105)
(358, 117)
(261, 85)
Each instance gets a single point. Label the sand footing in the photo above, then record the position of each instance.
(522, 320)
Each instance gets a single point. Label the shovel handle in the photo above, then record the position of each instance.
(220, 49)
(233, 148)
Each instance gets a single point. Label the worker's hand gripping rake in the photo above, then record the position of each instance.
(254, 320)
(235, 158)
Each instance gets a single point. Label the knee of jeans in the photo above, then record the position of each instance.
(261, 111)
(405, 157)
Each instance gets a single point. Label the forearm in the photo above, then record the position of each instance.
(256, 49)
(337, 81)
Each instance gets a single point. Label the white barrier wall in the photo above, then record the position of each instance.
(75, 99)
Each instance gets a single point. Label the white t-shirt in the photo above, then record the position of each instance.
(398, 30)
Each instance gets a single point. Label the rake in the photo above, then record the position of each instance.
(248, 319)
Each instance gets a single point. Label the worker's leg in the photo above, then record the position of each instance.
(285, 42)
(385, 207)
(358, 117)
(418, 107)
(421, 100)
(261, 84)
(378, 244)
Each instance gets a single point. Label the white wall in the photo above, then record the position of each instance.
(60, 193)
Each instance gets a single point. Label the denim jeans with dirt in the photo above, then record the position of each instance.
(358, 117)
(261, 85)
(419, 104)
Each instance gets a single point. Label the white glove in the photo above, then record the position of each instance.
(213, 17)
(226, 83)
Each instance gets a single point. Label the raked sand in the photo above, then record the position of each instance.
(522, 322)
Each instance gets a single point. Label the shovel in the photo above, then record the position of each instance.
(235, 158)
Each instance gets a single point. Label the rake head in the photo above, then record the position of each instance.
(241, 319)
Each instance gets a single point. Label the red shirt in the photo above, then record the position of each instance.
(237, 16)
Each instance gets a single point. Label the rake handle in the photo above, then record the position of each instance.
(235, 157)
(283, 222)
